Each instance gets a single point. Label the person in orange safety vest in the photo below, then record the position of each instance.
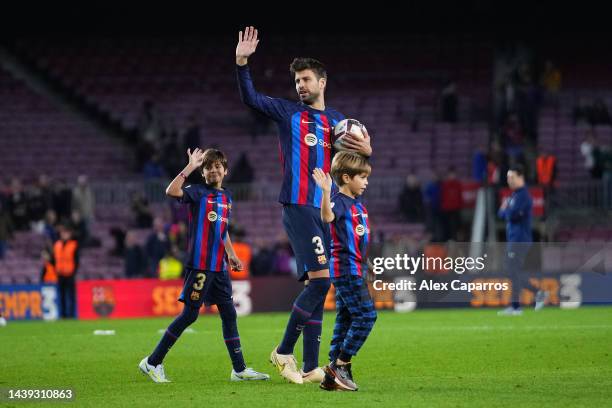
(66, 262)
(48, 275)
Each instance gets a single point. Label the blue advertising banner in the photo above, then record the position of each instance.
(29, 302)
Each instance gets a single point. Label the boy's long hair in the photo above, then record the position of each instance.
(211, 156)
(349, 163)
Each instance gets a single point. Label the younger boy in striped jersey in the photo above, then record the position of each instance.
(206, 278)
(350, 232)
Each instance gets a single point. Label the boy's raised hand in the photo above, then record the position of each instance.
(196, 158)
(323, 180)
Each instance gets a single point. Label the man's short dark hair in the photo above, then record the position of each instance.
(518, 169)
(300, 64)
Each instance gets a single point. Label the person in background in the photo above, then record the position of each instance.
(6, 227)
(479, 165)
(157, 246)
(17, 205)
(451, 202)
(141, 211)
(411, 200)
(431, 198)
(134, 256)
(449, 102)
(66, 257)
(170, 266)
(516, 212)
(84, 201)
(48, 276)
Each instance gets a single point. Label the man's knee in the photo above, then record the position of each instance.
(319, 286)
(190, 314)
(227, 311)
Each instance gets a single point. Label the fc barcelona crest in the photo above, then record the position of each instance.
(103, 300)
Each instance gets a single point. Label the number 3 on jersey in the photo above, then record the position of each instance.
(201, 278)
(318, 242)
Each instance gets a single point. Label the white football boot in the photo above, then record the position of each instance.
(287, 366)
(156, 373)
(248, 374)
(315, 376)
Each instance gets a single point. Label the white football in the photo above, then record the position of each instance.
(347, 126)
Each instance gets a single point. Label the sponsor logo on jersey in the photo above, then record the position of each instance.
(311, 140)
(213, 216)
(220, 205)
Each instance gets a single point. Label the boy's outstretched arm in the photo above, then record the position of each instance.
(235, 262)
(324, 181)
(196, 159)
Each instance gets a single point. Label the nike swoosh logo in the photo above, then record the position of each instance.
(211, 202)
(356, 215)
(304, 122)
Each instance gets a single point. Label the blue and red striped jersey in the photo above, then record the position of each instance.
(350, 233)
(209, 215)
(305, 140)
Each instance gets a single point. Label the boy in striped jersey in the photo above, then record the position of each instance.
(206, 279)
(350, 232)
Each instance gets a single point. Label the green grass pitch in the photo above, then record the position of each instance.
(435, 358)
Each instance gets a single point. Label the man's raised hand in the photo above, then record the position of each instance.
(247, 44)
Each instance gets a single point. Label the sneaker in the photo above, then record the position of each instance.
(156, 373)
(540, 299)
(2, 321)
(287, 366)
(315, 376)
(248, 374)
(343, 376)
(328, 383)
(510, 311)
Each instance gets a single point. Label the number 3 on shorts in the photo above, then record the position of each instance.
(319, 250)
(199, 285)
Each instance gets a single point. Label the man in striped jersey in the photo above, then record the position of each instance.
(305, 143)
(206, 279)
(350, 230)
